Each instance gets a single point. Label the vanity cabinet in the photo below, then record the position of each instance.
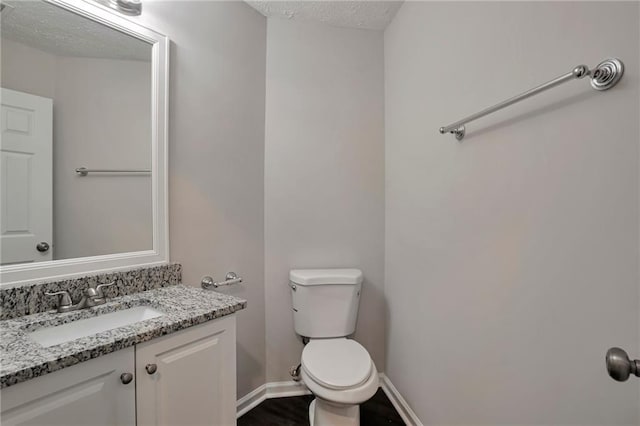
(184, 378)
(90, 393)
(188, 378)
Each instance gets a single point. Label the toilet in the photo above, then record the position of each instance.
(337, 370)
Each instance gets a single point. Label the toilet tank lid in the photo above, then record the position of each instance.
(325, 276)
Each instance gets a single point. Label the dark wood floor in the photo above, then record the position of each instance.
(294, 411)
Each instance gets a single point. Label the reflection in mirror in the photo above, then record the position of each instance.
(75, 93)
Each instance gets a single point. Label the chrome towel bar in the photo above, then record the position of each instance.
(604, 76)
(83, 171)
(231, 278)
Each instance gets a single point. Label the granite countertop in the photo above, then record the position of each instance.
(21, 358)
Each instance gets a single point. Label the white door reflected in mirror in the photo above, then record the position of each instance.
(26, 192)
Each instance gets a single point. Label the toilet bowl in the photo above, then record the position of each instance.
(341, 375)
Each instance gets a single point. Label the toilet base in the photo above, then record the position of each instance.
(324, 413)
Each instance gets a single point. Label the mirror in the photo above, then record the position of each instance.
(83, 163)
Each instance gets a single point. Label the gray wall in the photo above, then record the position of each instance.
(216, 155)
(512, 257)
(27, 70)
(324, 173)
(93, 215)
(96, 215)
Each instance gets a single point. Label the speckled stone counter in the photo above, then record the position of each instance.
(21, 358)
(31, 299)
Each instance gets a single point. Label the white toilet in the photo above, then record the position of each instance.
(338, 371)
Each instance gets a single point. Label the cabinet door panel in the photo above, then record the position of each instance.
(194, 383)
(90, 393)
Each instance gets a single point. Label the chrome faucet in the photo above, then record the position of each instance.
(90, 297)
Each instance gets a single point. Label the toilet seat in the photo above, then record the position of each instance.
(350, 396)
(337, 364)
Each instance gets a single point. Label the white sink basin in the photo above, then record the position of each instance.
(62, 333)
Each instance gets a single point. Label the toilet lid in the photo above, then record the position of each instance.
(336, 363)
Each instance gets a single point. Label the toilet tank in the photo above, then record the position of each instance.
(325, 301)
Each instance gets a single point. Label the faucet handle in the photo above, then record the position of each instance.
(99, 288)
(64, 300)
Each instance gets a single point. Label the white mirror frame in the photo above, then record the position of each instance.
(21, 274)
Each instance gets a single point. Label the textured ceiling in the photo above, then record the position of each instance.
(372, 15)
(60, 32)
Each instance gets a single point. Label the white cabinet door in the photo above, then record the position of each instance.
(194, 380)
(87, 394)
(26, 216)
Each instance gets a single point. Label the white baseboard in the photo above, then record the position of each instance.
(284, 389)
(251, 400)
(399, 403)
(291, 388)
(270, 390)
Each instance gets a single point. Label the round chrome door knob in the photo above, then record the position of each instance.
(42, 246)
(126, 378)
(151, 368)
(619, 366)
